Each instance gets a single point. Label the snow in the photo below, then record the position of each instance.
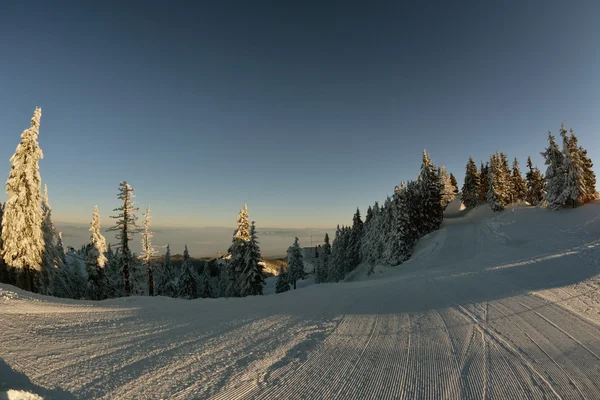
(493, 305)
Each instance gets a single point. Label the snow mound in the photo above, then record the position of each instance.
(454, 209)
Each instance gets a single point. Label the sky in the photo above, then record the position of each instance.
(304, 111)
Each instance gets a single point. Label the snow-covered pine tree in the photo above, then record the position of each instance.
(241, 237)
(295, 263)
(505, 187)
(519, 185)
(535, 184)
(433, 214)
(22, 236)
(321, 274)
(126, 227)
(252, 280)
(148, 250)
(454, 184)
(282, 284)
(98, 285)
(470, 189)
(484, 183)
(355, 240)
(555, 176)
(54, 272)
(494, 196)
(78, 282)
(189, 279)
(589, 177)
(5, 277)
(167, 279)
(60, 248)
(49, 256)
(400, 240)
(446, 187)
(206, 287)
(574, 192)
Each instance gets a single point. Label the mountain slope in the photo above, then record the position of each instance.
(491, 306)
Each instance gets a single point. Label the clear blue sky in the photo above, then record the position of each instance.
(303, 111)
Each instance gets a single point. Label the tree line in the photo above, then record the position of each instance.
(34, 257)
(569, 180)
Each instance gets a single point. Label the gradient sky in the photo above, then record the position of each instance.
(304, 111)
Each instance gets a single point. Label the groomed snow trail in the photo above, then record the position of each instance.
(491, 307)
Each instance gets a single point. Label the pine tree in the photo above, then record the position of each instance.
(252, 279)
(337, 261)
(78, 282)
(454, 184)
(167, 279)
(241, 237)
(446, 188)
(206, 287)
(282, 284)
(400, 240)
(50, 268)
(484, 183)
(494, 196)
(555, 176)
(574, 192)
(60, 248)
(98, 285)
(470, 189)
(355, 240)
(22, 221)
(189, 279)
(505, 187)
(535, 184)
(433, 213)
(148, 251)
(519, 186)
(126, 227)
(321, 274)
(295, 263)
(589, 177)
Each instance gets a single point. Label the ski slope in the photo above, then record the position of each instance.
(492, 306)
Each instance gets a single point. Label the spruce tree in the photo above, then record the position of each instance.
(189, 279)
(241, 237)
(470, 189)
(589, 177)
(282, 284)
(148, 251)
(454, 184)
(23, 241)
(484, 182)
(98, 284)
(535, 184)
(519, 185)
(430, 188)
(574, 192)
(355, 240)
(206, 287)
(506, 189)
(321, 274)
(495, 196)
(167, 279)
(252, 280)
(446, 187)
(295, 263)
(126, 227)
(400, 240)
(50, 270)
(555, 176)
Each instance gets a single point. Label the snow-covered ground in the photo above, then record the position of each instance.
(491, 306)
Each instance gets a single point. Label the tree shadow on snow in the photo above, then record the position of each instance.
(13, 380)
